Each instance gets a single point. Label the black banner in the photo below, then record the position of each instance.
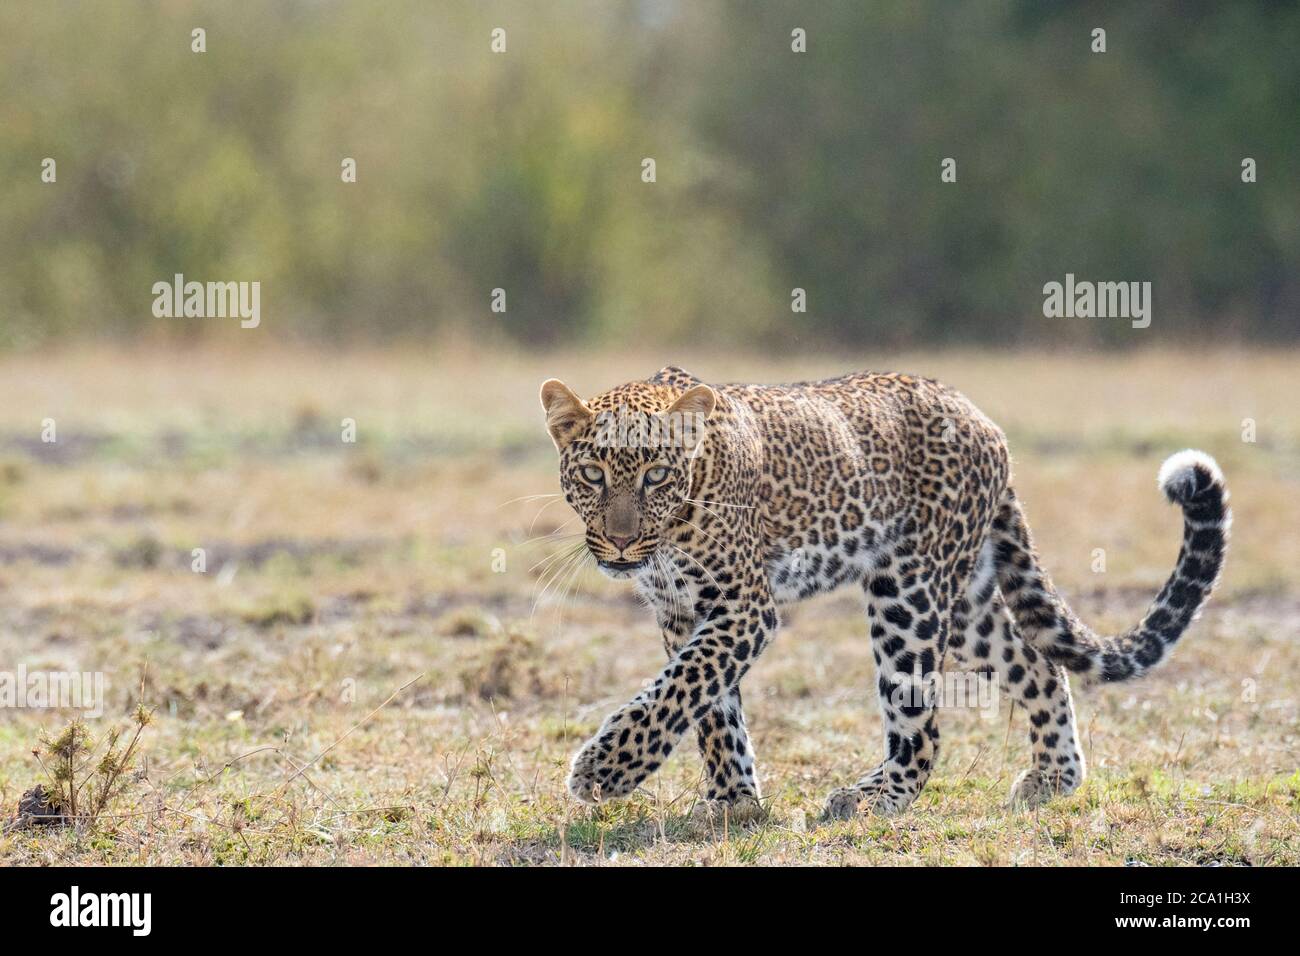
(333, 905)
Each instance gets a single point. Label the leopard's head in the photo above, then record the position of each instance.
(626, 462)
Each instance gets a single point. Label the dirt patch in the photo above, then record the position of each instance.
(43, 554)
(69, 448)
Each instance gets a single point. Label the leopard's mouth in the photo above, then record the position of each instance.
(622, 569)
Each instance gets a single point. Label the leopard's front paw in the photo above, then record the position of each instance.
(1034, 787)
(593, 777)
(607, 768)
(865, 797)
(712, 815)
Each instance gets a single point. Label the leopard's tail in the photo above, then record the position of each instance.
(1190, 479)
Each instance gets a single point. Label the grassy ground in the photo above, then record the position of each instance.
(336, 573)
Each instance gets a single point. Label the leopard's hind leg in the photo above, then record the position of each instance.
(985, 638)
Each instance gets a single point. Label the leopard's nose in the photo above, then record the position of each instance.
(620, 542)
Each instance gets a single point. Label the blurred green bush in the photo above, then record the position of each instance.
(522, 170)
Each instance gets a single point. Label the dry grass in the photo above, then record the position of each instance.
(338, 573)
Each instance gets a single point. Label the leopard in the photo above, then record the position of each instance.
(725, 504)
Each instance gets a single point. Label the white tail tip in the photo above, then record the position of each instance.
(1178, 479)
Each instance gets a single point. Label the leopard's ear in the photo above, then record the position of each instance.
(566, 413)
(699, 400)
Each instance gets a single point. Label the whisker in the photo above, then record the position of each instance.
(700, 566)
(557, 539)
(720, 504)
(554, 494)
(570, 586)
(701, 506)
(532, 524)
(548, 578)
(549, 557)
(670, 584)
(683, 608)
(701, 531)
(562, 552)
(554, 535)
(572, 558)
(656, 581)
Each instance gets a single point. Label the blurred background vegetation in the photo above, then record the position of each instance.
(333, 564)
(775, 170)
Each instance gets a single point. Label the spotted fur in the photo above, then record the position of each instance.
(889, 482)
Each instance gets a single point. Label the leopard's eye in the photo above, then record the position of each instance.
(593, 474)
(656, 476)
